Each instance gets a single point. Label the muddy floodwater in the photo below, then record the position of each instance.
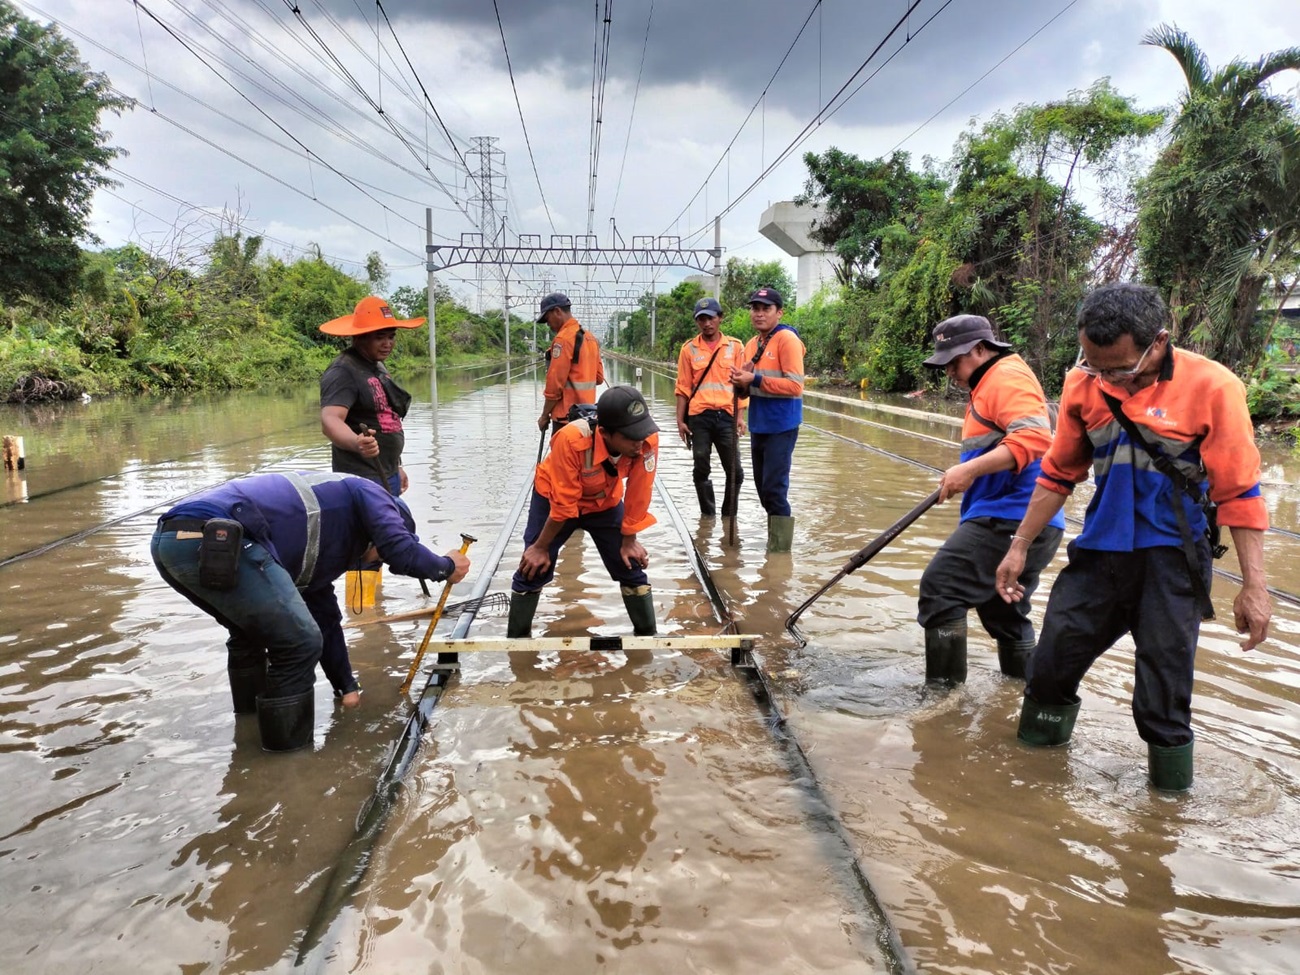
(590, 812)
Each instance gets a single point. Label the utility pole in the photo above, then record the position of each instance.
(717, 259)
(654, 308)
(430, 285)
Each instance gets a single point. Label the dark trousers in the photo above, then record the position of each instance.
(715, 430)
(963, 573)
(605, 529)
(1098, 598)
(772, 454)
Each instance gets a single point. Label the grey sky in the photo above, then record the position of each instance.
(706, 63)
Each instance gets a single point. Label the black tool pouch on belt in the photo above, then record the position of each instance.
(219, 554)
(1193, 491)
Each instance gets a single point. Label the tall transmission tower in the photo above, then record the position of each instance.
(489, 195)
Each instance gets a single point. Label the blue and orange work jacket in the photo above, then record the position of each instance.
(579, 476)
(568, 381)
(776, 394)
(1196, 411)
(713, 389)
(1007, 408)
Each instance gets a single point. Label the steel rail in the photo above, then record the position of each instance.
(351, 866)
(887, 938)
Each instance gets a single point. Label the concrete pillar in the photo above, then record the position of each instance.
(789, 226)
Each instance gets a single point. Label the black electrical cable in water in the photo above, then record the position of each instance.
(887, 937)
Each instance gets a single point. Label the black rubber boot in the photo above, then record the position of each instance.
(945, 653)
(522, 607)
(1046, 725)
(704, 491)
(286, 722)
(247, 674)
(639, 601)
(1013, 656)
(1170, 766)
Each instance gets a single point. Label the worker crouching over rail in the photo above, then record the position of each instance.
(260, 555)
(580, 485)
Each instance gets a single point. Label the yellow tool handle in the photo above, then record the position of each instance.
(465, 542)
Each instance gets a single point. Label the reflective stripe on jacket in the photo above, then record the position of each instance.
(1197, 413)
(1007, 408)
(715, 392)
(568, 381)
(776, 395)
(578, 477)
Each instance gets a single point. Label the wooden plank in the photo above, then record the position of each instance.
(592, 643)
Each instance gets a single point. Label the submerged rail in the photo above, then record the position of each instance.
(887, 937)
(352, 864)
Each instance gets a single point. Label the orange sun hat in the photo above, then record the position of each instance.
(371, 315)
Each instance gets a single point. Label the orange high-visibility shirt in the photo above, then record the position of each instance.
(575, 480)
(568, 381)
(713, 389)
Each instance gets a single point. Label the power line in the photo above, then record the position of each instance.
(599, 75)
(520, 108)
(632, 117)
(752, 109)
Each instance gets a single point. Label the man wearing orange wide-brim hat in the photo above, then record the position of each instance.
(361, 405)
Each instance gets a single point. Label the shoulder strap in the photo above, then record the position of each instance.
(1192, 490)
(700, 382)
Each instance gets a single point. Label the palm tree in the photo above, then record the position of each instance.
(1220, 207)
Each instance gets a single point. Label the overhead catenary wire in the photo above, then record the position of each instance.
(520, 108)
(636, 92)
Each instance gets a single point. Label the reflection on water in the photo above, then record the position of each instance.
(574, 811)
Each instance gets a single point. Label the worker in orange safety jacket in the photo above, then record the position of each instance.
(580, 485)
(1168, 438)
(710, 415)
(573, 369)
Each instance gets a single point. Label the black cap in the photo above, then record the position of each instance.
(958, 335)
(708, 306)
(622, 409)
(556, 299)
(766, 296)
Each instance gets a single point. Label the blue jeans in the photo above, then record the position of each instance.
(264, 612)
(605, 529)
(772, 454)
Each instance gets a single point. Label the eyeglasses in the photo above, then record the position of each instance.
(1117, 375)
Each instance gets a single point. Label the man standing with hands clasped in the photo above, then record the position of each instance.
(1169, 440)
(771, 374)
(705, 404)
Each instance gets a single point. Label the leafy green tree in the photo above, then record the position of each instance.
(308, 292)
(859, 199)
(53, 156)
(740, 278)
(1221, 206)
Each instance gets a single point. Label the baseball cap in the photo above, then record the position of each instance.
(556, 299)
(622, 409)
(708, 306)
(372, 314)
(766, 296)
(958, 335)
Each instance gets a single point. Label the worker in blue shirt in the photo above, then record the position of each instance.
(260, 554)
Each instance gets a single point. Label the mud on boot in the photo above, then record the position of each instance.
(639, 601)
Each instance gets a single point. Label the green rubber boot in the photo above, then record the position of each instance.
(780, 532)
(639, 601)
(522, 607)
(1013, 656)
(1170, 766)
(1046, 725)
(286, 723)
(945, 653)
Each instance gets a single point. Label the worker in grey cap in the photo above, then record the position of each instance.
(574, 369)
(1006, 432)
